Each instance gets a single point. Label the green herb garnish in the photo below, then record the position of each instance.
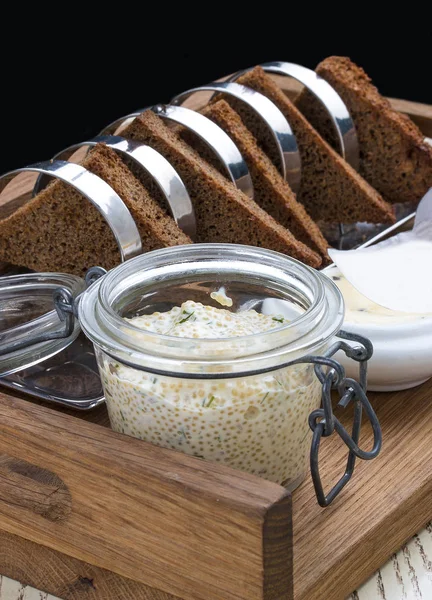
(265, 396)
(122, 416)
(209, 402)
(278, 319)
(186, 318)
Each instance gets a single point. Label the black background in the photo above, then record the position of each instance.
(63, 81)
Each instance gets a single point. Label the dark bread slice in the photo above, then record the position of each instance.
(394, 157)
(331, 190)
(224, 214)
(60, 230)
(271, 191)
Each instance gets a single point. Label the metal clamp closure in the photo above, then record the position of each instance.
(324, 423)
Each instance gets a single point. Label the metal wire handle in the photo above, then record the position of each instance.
(324, 423)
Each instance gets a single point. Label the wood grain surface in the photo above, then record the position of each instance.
(421, 114)
(388, 500)
(336, 549)
(65, 577)
(176, 523)
(407, 575)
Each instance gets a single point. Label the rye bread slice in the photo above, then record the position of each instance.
(60, 230)
(331, 190)
(224, 213)
(394, 157)
(271, 191)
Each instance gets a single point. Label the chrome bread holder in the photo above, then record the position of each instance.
(322, 421)
(152, 163)
(215, 138)
(328, 98)
(98, 192)
(330, 373)
(272, 117)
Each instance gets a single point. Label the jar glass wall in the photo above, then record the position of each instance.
(239, 401)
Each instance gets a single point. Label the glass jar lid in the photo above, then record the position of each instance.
(27, 312)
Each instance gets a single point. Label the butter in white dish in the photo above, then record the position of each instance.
(402, 342)
(359, 309)
(395, 273)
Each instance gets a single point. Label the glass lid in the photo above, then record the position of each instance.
(27, 312)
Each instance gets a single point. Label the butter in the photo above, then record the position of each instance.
(359, 309)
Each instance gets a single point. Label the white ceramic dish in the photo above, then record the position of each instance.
(402, 342)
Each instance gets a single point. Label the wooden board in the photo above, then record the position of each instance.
(388, 500)
(335, 549)
(86, 512)
(172, 522)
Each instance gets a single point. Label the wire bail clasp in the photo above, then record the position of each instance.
(324, 423)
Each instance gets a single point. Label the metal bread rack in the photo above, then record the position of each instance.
(152, 163)
(98, 192)
(213, 136)
(169, 182)
(269, 113)
(328, 98)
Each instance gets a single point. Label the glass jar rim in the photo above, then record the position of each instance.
(116, 336)
(118, 321)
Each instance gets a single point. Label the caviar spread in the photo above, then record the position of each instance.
(257, 423)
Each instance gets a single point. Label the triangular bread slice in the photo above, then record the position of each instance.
(271, 191)
(394, 158)
(60, 230)
(331, 190)
(224, 213)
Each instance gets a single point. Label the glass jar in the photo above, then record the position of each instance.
(240, 401)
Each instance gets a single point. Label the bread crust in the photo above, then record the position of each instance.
(271, 191)
(331, 190)
(394, 157)
(224, 213)
(60, 230)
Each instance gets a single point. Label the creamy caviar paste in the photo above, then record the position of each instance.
(257, 423)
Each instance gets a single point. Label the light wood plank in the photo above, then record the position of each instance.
(388, 500)
(164, 519)
(65, 577)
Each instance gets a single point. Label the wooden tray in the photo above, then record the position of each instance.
(89, 513)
